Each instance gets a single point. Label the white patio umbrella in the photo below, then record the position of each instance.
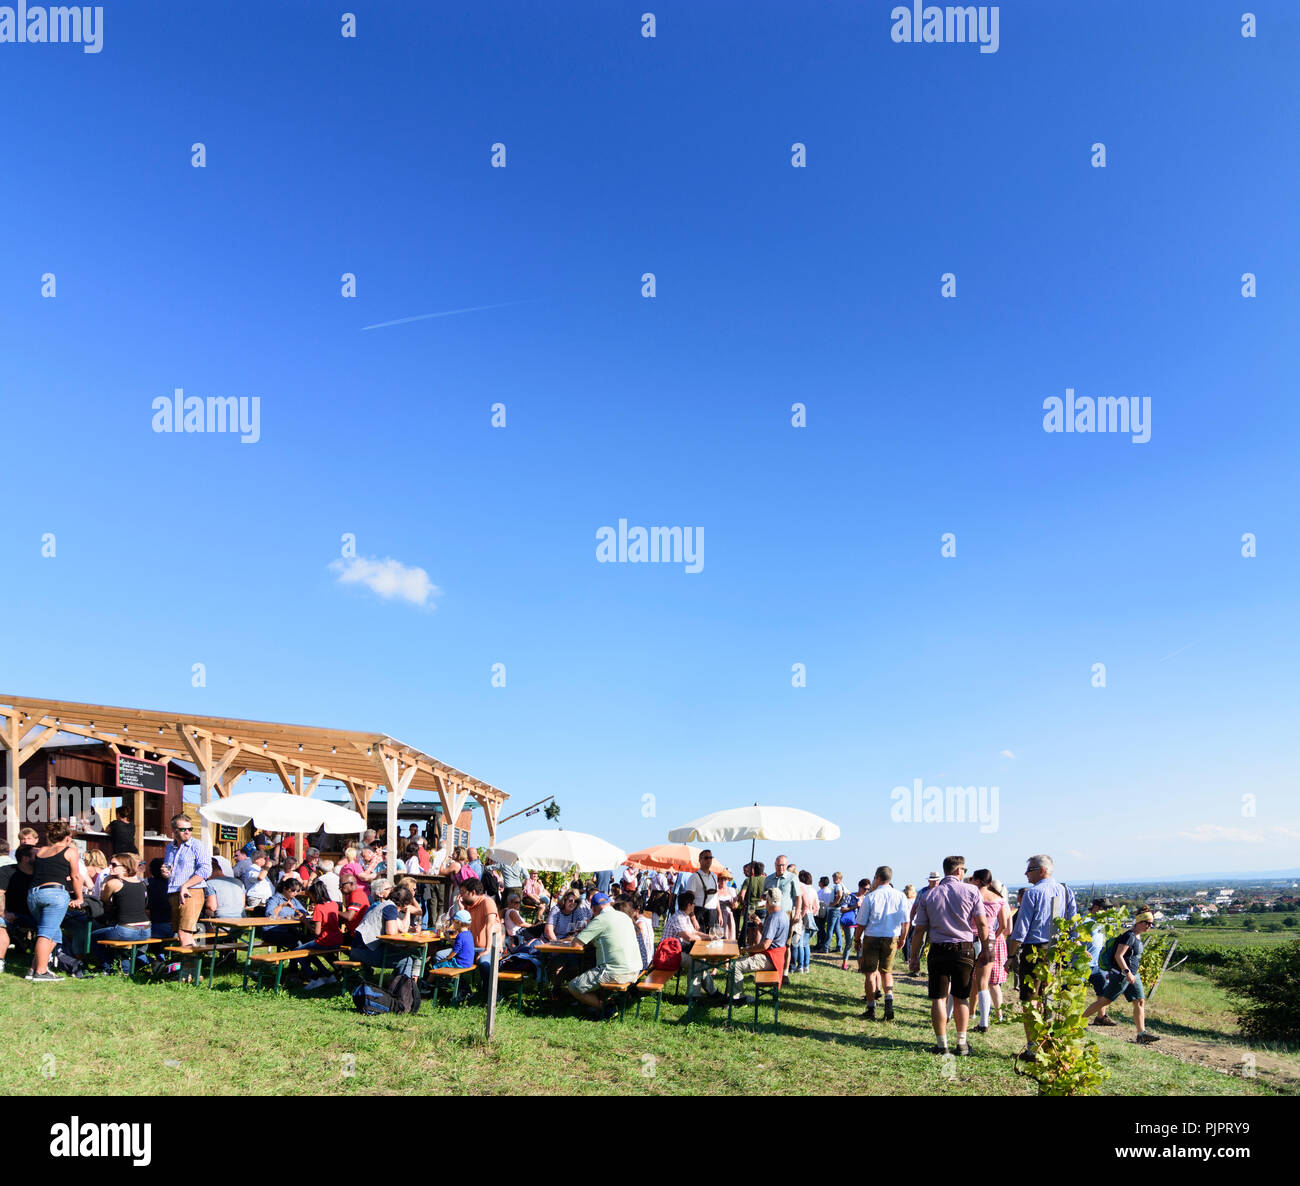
(756, 823)
(558, 851)
(282, 812)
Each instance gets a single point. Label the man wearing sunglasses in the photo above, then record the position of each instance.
(186, 866)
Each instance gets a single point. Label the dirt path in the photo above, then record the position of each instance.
(1227, 1059)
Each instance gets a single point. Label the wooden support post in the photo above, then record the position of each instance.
(201, 752)
(18, 748)
(396, 782)
(491, 808)
(10, 738)
(453, 796)
(494, 959)
(137, 810)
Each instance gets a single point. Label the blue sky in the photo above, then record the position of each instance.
(819, 285)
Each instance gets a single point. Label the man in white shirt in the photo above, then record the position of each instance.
(330, 880)
(883, 919)
(703, 883)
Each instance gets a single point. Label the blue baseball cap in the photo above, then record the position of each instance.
(462, 916)
(600, 899)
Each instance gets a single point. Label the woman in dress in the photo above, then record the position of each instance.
(989, 977)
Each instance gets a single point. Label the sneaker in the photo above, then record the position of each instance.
(981, 1029)
(2, 966)
(962, 1052)
(1027, 1056)
(936, 1049)
(741, 1002)
(889, 1010)
(1100, 1020)
(1146, 1037)
(870, 1014)
(43, 977)
(319, 982)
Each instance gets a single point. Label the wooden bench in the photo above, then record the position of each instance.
(279, 958)
(518, 979)
(618, 991)
(198, 954)
(351, 974)
(653, 982)
(769, 982)
(133, 944)
(442, 974)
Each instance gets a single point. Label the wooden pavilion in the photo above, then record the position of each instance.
(224, 749)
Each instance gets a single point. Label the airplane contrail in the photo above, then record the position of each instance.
(444, 313)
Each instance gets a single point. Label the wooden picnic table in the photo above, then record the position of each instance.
(716, 951)
(548, 950)
(420, 939)
(250, 924)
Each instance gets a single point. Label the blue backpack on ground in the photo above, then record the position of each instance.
(402, 996)
(371, 1000)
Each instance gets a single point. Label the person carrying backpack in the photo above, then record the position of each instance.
(1119, 971)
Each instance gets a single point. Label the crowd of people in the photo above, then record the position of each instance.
(70, 903)
(973, 937)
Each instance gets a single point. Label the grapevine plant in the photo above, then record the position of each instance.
(1068, 1061)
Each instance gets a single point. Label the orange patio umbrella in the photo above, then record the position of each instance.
(684, 858)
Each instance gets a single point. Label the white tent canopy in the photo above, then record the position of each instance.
(558, 851)
(282, 812)
(756, 823)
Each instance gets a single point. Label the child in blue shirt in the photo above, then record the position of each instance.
(462, 947)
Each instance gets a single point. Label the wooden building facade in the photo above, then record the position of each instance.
(78, 784)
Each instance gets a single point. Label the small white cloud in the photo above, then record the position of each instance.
(1005, 753)
(1075, 854)
(388, 578)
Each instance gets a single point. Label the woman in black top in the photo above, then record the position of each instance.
(121, 832)
(55, 886)
(126, 902)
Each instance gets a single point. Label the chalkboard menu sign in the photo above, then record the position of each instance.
(140, 774)
(227, 833)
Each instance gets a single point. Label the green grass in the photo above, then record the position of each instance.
(92, 1036)
(1226, 938)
